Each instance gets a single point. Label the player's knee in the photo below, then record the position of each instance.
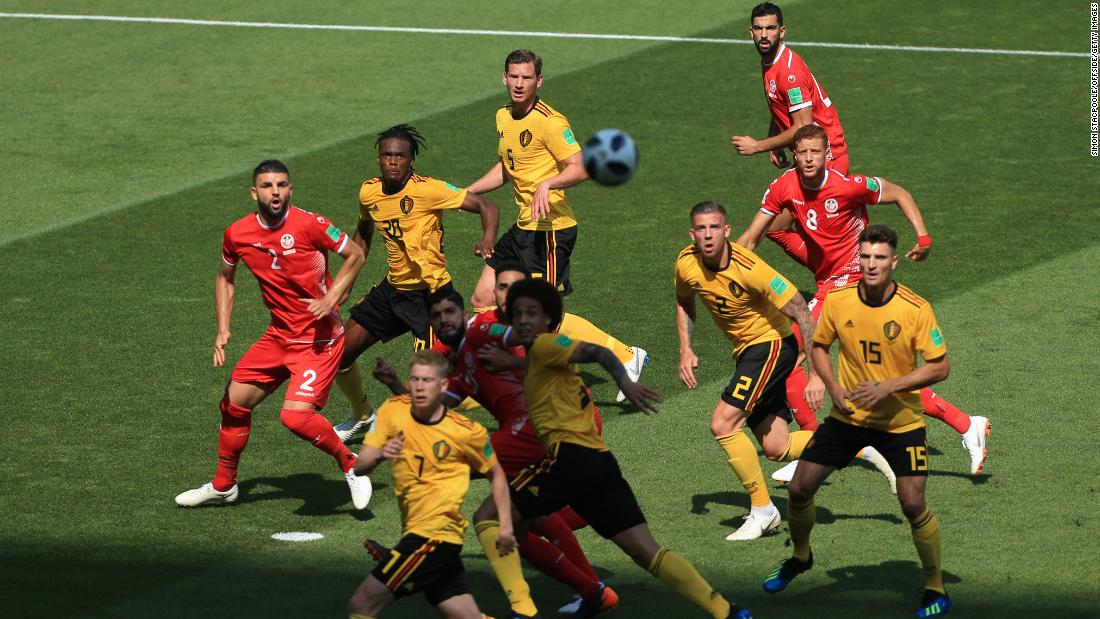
(487, 511)
(773, 450)
(912, 506)
(798, 493)
(233, 414)
(295, 419)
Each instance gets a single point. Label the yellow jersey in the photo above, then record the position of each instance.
(879, 343)
(411, 222)
(532, 149)
(558, 403)
(743, 299)
(432, 475)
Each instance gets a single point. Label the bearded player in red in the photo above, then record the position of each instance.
(286, 248)
(831, 211)
(554, 550)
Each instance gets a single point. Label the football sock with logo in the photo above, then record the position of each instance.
(507, 568)
(546, 558)
(926, 537)
(935, 406)
(792, 243)
(350, 382)
(800, 519)
(311, 427)
(796, 400)
(678, 573)
(746, 465)
(557, 532)
(796, 444)
(576, 328)
(232, 438)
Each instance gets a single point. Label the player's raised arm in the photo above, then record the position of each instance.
(685, 331)
(572, 173)
(224, 288)
(493, 179)
(490, 220)
(893, 193)
(750, 238)
(639, 395)
(747, 146)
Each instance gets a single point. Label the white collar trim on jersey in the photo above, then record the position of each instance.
(260, 220)
(778, 55)
(824, 179)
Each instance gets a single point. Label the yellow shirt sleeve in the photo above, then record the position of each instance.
(479, 451)
(383, 429)
(553, 350)
(929, 340)
(559, 138)
(825, 333)
(768, 283)
(444, 195)
(683, 289)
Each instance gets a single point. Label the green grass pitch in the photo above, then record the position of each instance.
(125, 152)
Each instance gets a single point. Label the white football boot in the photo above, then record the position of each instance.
(974, 442)
(786, 474)
(361, 488)
(634, 368)
(206, 494)
(351, 427)
(756, 526)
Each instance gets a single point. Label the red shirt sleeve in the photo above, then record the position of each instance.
(229, 250)
(324, 233)
(864, 189)
(796, 89)
(772, 202)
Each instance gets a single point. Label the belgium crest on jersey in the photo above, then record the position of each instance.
(525, 138)
(891, 329)
(736, 290)
(441, 450)
(406, 204)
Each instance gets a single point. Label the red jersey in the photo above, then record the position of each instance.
(790, 86)
(290, 261)
(501, 393)
(830, 217)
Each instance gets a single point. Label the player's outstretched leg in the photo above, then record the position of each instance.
(926, 539)
(973, 428)
(236, 412)
(801, 517)
(633, 358)
(310, 426)
(675, 571)
(506, 567)
(349, 379)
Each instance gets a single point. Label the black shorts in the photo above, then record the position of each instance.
(544, 253)
(583, 478)
(836, 443)
(387, 312)
(759, 382)
(419, 564)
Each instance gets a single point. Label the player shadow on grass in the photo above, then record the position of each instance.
(976, 480)
(825, 516)
(319, 496)
(886, 576)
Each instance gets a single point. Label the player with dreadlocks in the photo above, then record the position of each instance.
(407, 209)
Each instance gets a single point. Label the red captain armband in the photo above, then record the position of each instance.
(924, 240)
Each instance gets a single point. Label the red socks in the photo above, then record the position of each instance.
(549, 560)
(791, 243)
(572, 518)
(310, 426)
(232, 438)
(935, 406)
(555, 529)
(796, 400)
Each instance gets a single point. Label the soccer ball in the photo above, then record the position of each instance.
(610, 157)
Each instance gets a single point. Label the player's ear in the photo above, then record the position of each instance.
(252, 190)
(504, 78)
(538, 81)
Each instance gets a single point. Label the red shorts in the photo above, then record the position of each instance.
(826, 285)
(311, 367)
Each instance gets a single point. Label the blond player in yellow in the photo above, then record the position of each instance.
(434, 452)
(753, 305)
(539, 154)
(407, 209)
(882, 327)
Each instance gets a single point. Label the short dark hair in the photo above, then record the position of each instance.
(707, 207)
(523, 56)
(879, 233)
(404, 132)
(539, 290)
(446, 294)
(268, 166)
(810, 132)
(512, 266)
(431, 359)
(766, 8)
